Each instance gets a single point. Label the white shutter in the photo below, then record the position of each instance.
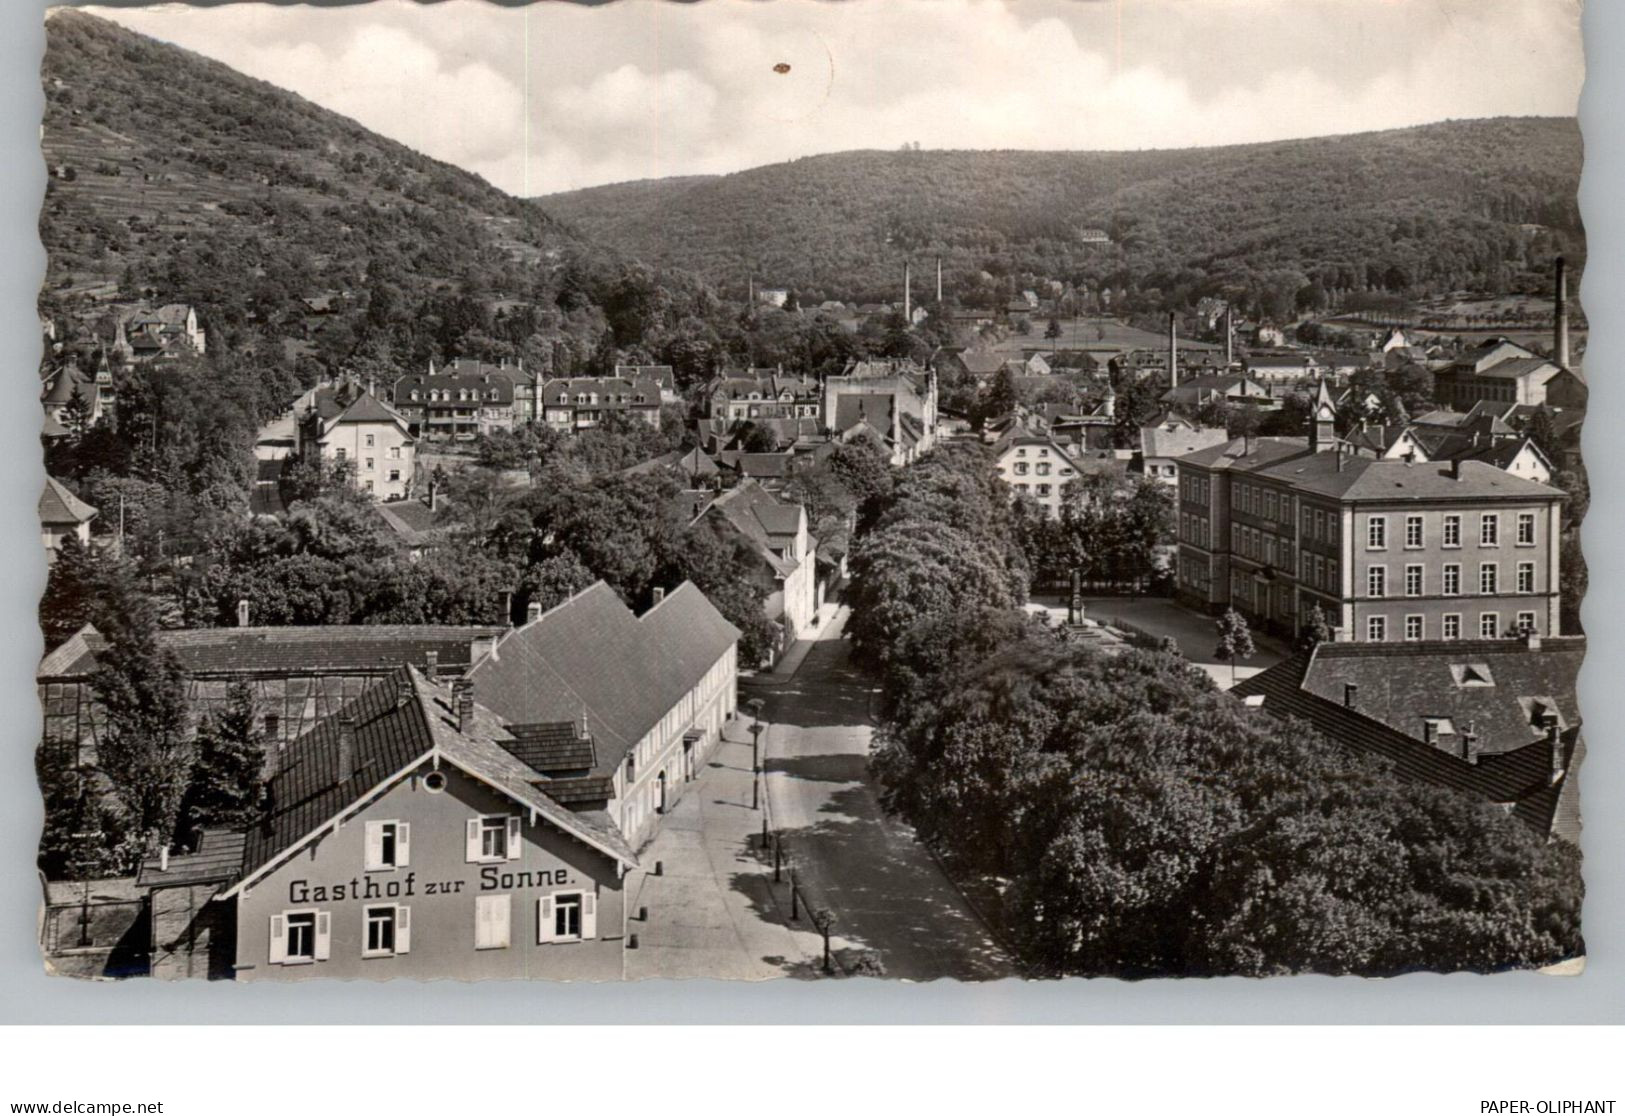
(589, 914)
(375, 845)
(491, 921)
(403, 844)
(324, 935)
(403, 929)
(279, 940)
(513, 838)
(473, 840)
(503, 906)
(544, 919)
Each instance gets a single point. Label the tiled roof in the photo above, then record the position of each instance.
(60, 508)
(1244, 454)
(852, 408)
(399, 722)
(360, 649)
(1520, 779)
(65, 382)
(551, 748)
(612, 391)
(218, 859)
(768, 523)
(1160, 441)
(592, 654)
(1363, 478)
(481, 385)
(770, 465)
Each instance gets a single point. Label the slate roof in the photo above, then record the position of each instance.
(346, 649)
(767, 523)
(218, 859)
(551, 748)
(481, 384)
(1159, 441)
(612, 391)
(400, 722)
(592, 654)
(1367, 479)
(60, 508)
(1519, 779)
(852, 408)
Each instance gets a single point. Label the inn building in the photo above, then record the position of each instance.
(414, 834)
(1389, 550)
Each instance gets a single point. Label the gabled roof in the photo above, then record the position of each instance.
(336, 649)
(1519, 777)
(400, 723)
(1364, 478)
(612, 391)
(218, 859)
(592, 655)
(767, 523)
(66, 381)
(874, 408)
(1179, 439)
(60, 508)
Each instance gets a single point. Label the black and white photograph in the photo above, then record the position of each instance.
(890, 491)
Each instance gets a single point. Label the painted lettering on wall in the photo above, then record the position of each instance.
(494, 879)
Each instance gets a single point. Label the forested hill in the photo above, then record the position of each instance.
(1478, 203)
(175, 177)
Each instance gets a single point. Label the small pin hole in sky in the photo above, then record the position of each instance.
(782, 68)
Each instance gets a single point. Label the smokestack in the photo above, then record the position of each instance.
(242, 612)
(1229, 339)
(908, 296)
(1560, 343)
(939, 279)
(1173, 350)
(1351, 695)
(346, 760)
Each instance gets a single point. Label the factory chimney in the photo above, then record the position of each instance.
(939, 280)
(1173, 350)
(1229, 340)
(1560, 343)
(908, 296)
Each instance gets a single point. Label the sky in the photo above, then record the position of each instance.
(558, 96)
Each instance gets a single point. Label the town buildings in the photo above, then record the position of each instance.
(778, 534)
(76, 399)
(652, 691)
(1497, 720)
(457, 403)
(763, 394)
(414, 833)
(893, 398)
(1035, 466)
(1164, 442)
(62, 515)
(1389, 551)
(582, 402)
(1500, 371)
(142, 334)
(346, 425)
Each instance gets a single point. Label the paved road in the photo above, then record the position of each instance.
(888, 894)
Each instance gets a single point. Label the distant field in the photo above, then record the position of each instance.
(1083, 333)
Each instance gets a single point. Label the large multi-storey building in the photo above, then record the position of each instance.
(355, 427)
(1387, 550)
(582, 402)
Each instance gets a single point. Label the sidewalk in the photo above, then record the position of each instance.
(713, 912)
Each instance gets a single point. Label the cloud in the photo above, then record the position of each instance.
(557, 96)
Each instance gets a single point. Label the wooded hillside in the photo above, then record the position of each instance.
(1462, 204)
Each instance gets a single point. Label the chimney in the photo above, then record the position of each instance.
(1554, 745)
(939, 279)
(585, 731)
(1531, 639)
(346, 762)
(242, 612)
(1229, 339)
(1455, 468)
(1430, 732)
(533, 612)
(434, 495)
(908, 295)
(660, 594)
(462, 692)
(431, 666)
(1560, 342)
(1469, 744)
(1351, 694)
(403, 687)
(163, 859)
(1173, 350)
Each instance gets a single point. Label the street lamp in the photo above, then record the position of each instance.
(755, 753)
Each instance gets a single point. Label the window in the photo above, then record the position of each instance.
(1489, 625)
(491, 921)
(1413, 581)
(1526, 577)
(493, 837)
(371, 440)
(1332, 580)
(1043, 469)
(1452, 625)
(300, 937)
(339, 454)
(1376, 533)
(395, 453)
(388, 845)
(394, 474)
(1487, 577)
(1413, 628)
(1043, 490)
(1526, 622)
(1320, 524)
(1489, 529)
(1376, 628)
(1376, 581)
(567, 916)
(370, 465)
(1452, 579)
(1413, 532)
(1526, 528)
(1021, 468)
(272, 724)
(387, 930)
(1452, 530)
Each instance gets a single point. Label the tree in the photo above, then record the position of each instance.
(1052, 333)
(227, 786)
(1317, 629)
(1235, 640)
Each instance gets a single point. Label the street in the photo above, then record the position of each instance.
(888, 894)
